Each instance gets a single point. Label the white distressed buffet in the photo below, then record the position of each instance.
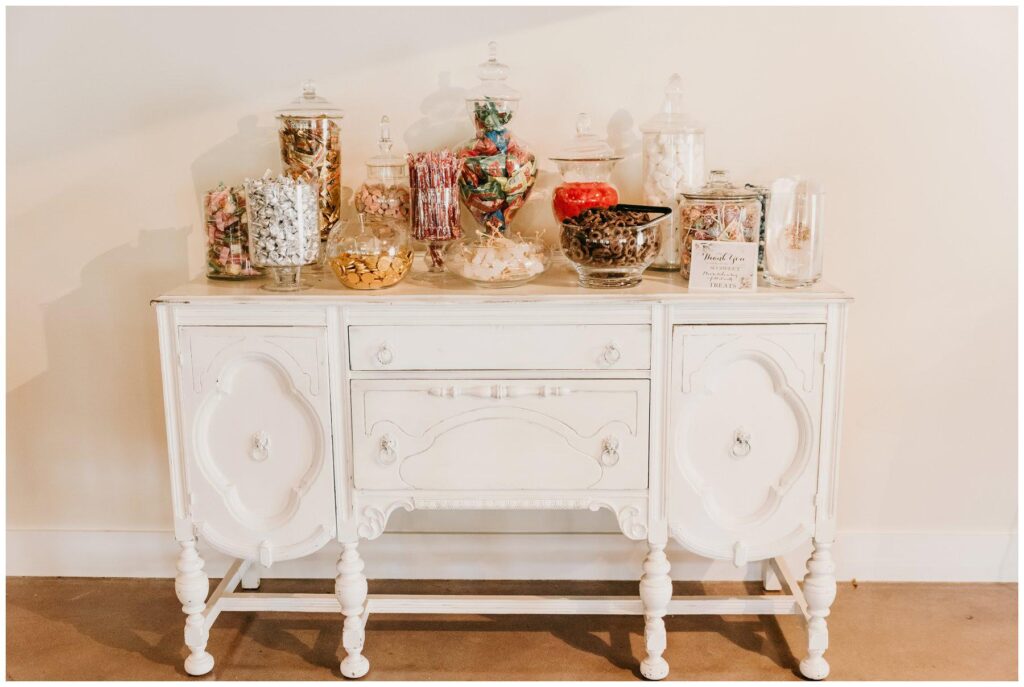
(707, 419)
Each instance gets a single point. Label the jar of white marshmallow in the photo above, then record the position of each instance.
(673, 161)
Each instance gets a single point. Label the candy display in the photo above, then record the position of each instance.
(435, 217)
(311, 149)
(369, 252)
(496, 260)
(498, 172)
(793, 233)
(385, 193)
(586, 165)
(611, 247)
(227, 234)
(718, 211)
(673, 161)
(283, 228)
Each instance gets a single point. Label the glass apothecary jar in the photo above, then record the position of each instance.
(585, 164)
(498, 171)
(310, 137)
(611, 247)
(793, 232)
(385, 193)
(369, 252)
(227, 235)
(284, 229)
(717, 211)
(672, 162)
(498, 261)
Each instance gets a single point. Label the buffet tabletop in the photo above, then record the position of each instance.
(557, 283)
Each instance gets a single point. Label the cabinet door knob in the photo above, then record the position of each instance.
(388, 450)
(260, 446)
(740, 444)
(610, 451)
(384, 355)
(611, 354)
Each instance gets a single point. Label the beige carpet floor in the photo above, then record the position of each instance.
(131, 629)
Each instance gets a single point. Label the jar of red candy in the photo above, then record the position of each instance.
(586, 166)
(498, 171)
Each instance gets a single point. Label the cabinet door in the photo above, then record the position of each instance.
(257, 439)
(745, 411)
(500, 434)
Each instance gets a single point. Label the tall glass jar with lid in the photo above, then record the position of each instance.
(310, 137)
(673, 161)
(385, 193)
(717, 211)
(585, 164)
(498, 171)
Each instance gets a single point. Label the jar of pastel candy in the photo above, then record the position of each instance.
(586, 165)
(385, 193)
(673, 161)
(717, 211)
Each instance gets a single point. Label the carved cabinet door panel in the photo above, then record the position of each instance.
(744, 419)
(257, 439)
(518, 434)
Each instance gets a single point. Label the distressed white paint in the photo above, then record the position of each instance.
(413, 405)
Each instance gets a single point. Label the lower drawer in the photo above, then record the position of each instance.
(500, 434)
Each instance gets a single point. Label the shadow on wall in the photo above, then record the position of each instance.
(71, 426)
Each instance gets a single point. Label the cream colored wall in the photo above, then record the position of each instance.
(119, 118)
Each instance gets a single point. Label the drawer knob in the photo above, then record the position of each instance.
(260, 446)
(740, 444)
(611, 354)
(610, 452)
(388, 450)
(384, 355)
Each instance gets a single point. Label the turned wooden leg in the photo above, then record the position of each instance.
(252, 576)
(655, 594)
(192, 585)
(820, 591)
(769, 580)
(350, 587)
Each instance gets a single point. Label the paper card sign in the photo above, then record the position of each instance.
(723, 266)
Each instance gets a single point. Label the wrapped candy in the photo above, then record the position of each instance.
(227, 234)
(498, 172)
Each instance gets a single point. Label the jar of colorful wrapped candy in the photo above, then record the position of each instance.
(586, 165)
(311, 150)
(498, 171)
(717, 211)
(385, 193)
(227, 235)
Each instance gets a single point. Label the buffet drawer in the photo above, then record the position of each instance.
(500, 434)
(500, 347)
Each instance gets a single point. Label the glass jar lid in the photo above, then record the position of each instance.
(309, 105)
(671, 119)
(492, 75)
(385, 158)
(720, 188)
(585, 146)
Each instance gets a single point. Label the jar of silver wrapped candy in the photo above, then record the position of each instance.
(284, 228)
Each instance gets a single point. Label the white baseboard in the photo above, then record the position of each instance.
(874, 556)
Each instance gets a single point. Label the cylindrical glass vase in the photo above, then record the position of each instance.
(434, 216)
(284, 229)
(793, 233)
(227, 235)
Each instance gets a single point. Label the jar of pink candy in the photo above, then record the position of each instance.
(227, 235)
(385, 193)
